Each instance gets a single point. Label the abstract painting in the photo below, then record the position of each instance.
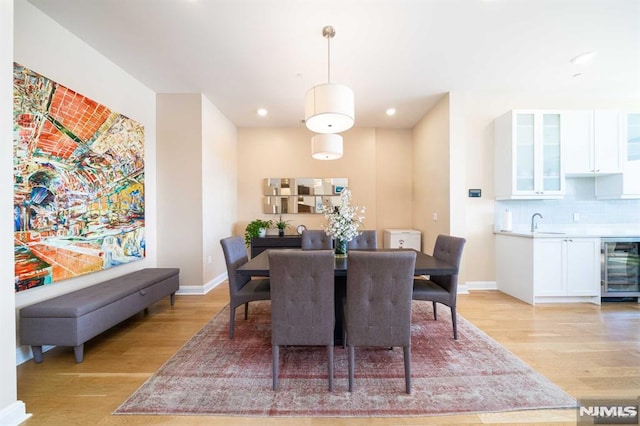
(78, 183)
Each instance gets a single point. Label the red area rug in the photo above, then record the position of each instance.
(212, 375)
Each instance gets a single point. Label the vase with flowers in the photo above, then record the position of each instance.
(343, 222)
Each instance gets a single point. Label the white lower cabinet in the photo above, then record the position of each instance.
(549, 270)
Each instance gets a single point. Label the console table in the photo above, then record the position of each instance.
(260, 244)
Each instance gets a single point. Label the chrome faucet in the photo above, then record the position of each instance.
(534, 225)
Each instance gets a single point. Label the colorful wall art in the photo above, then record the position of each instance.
(78, 183)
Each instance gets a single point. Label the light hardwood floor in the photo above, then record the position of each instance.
(587, 350)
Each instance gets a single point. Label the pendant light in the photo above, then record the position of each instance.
(329, 108)
(326, 146)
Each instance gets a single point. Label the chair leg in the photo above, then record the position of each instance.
(407, 368)
(246, 310)
(330, 357)
(435, 314)
(454, 322)
(344, 336)
(351, 366)
(276, 362)
(232, 320)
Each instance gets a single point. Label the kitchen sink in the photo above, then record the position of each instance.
(549, 232)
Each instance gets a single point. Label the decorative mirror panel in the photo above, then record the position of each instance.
(301, 195)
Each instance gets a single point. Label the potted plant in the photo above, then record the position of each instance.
(281, 225)
(255, 228)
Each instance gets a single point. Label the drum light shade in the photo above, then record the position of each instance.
(329, 108)
(326, 146)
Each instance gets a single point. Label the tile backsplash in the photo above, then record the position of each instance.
(580, 198)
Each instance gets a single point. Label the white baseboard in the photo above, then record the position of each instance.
(465, 288)
(14, 414)
(199, 290)
(481, 285)
(24, 354)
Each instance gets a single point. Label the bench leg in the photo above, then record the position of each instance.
(173, 298)
(78, 351)
(37, 354)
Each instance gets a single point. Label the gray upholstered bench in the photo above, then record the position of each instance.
(76, 317)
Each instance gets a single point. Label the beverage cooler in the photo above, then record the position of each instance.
(620, 267)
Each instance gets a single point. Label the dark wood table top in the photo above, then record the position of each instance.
(425, 265)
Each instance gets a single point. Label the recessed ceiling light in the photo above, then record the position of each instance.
(391, 111)
(583, 58)
(262, 112)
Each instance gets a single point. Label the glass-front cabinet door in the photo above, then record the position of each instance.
(525, 153)
(538, 154)
(633, 137)
(528, 155)
(551, 154)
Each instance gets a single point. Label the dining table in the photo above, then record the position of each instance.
(425, 265)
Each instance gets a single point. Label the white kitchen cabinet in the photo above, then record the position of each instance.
(626, 184)
(528, 155)
(566, 267)
(549, 270)
(548, 275)
(593, 142)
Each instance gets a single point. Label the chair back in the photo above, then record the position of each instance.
(302, 297)
(379, 289)
(364, 241)
(235, 255)
(313, 239)
(448, 249)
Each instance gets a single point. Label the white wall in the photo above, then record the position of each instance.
(12, 411)
(431, 174)
(196, 189)
(375, 162)
(38, 43)
(179, 147)
(394, 168)
(219, 183)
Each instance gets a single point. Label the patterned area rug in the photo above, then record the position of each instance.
(212, 375)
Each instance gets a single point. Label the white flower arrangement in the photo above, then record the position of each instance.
(344, 220)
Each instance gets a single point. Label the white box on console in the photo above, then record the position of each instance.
(402, 238)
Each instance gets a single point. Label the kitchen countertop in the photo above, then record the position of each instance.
(624, 230)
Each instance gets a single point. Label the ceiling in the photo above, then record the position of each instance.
(247, 54)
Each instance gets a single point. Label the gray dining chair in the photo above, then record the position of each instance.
(313, 239)
(377, 309)
(242, 289)
(366, 240)
(442, 288)
(302, 303)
